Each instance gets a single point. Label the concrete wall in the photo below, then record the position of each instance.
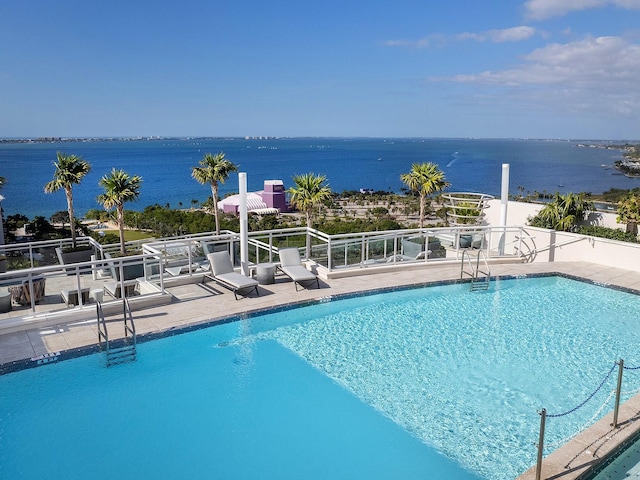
(540, 245)
(519, 212)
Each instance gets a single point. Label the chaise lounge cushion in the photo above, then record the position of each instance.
(291, 266)
(223, 273)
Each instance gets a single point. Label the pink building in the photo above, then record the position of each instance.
(270, 200)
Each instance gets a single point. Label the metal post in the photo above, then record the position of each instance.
(504, 202)
(618, 391)
(244, 226)
(543, 419)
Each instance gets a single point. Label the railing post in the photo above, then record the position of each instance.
(616, 408)
(543, 420)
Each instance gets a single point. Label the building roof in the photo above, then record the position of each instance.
(254, 202)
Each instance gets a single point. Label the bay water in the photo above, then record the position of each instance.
(472, 165)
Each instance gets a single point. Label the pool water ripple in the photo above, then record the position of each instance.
(467, 373)
(331, 391)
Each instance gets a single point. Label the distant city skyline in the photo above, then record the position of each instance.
(528, 69)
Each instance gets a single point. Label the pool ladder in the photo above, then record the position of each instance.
(479, 278)
(125, 351)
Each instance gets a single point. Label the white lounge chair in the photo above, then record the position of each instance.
(291, 266)
(223, 273)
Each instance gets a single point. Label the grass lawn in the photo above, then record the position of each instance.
(130, 235)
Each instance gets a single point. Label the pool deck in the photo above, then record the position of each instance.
(203, 303)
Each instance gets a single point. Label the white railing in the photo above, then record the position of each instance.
(186, 255)
(342, 254)
(53, 287)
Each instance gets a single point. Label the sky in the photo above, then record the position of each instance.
(401, 68)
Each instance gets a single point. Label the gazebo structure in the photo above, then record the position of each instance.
(466, 208)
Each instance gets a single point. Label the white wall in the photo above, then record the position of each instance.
(518, 212)
(550, 246)
(542, 245)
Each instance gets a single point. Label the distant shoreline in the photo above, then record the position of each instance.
(348, 163)
(613, 144)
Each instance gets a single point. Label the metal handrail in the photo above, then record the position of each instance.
(103, 333)
(462, 270)
(480, 254)
(129, 325)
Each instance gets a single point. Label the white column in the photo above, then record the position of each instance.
(504, 201)
(1, 225)
(244, 224)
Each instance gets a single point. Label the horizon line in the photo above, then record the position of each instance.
(61, 139)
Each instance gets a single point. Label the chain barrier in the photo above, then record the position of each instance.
(617, 392)
(588, 398)
(584, 426)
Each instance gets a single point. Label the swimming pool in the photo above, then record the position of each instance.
(434, 382)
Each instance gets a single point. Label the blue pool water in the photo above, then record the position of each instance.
(432, 382)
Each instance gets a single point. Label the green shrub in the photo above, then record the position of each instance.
(606, 232)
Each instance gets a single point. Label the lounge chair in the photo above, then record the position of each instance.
(115, 288)
(291, 266)
(223, 273)
(410, 251)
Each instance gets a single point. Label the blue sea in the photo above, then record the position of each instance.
(348, 163)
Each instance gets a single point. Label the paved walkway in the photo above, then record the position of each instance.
(198, 303)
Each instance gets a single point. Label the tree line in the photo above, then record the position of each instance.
(308, 193)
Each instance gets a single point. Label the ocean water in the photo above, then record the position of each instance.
(349, 164)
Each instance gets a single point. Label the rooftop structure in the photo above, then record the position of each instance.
(466, 208)
(270, 200)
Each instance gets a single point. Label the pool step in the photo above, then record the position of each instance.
(119, 355)
(480, 284)
(125, 351)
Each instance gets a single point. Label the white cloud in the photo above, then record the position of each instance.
(543, 9)
(398, 43)
(514, 34)
(596, 73)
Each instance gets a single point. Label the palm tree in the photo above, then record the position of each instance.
(629, 212)
(424, 178)
(213, 169)
(70, 169)
(310, 191)
(119, 188)
(563, 213)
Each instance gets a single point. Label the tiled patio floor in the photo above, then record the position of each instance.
(197, 303)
